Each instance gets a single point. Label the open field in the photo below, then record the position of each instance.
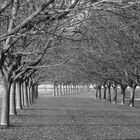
(74, 117)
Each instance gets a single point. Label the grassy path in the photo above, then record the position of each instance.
(73, 117)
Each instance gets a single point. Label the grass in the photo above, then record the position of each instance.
(74, 117)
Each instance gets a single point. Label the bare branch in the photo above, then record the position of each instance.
(27, 20)
(5, 5)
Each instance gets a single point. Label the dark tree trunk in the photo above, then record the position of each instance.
(28, 89)
(69, 89)
(100, 92)
(60, 89)
(22, 93)
(123, 88)
(66, 89)
(31, 93)
(74, 89)
(104, 96)
(96, 94)
(54, 89)
(115, 94)
(132, 96)
(25, 94)
(57, 90)
(109, 93)
(36, 91)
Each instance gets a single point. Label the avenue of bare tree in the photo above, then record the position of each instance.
(70, 43)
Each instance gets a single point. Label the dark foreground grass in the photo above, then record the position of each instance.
(73, 117)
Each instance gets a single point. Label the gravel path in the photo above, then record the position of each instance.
(73, 117)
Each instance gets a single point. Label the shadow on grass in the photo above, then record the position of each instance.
(73, 125)
(77, 116)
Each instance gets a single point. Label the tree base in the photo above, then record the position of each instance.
(3, 126)
(114, 102)
(13, 114)
(131, 105)
(122, 103)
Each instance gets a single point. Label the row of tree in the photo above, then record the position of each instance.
(66, 41)
(109, 52)
(30, 35)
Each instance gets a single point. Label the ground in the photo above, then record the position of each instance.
(74, 117)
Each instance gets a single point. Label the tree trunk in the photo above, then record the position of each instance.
(60, 89)
(34, 92)
(36, 95)
(132, 96)
(31, 94)
(28, 89)
(12, 99)
(99, 89)
(25, 94)
(64, 90)
(57, 90)
(96, 94)
(22, 93)
(70, 89)
(59, 93)
(104, 96)
(67, 89)
(123, 94)
(115, 95)
(109, 93)
(5, 104)
(76, 88)
(18, 96)
(54, 89)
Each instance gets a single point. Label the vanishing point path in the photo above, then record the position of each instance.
(74, 117)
